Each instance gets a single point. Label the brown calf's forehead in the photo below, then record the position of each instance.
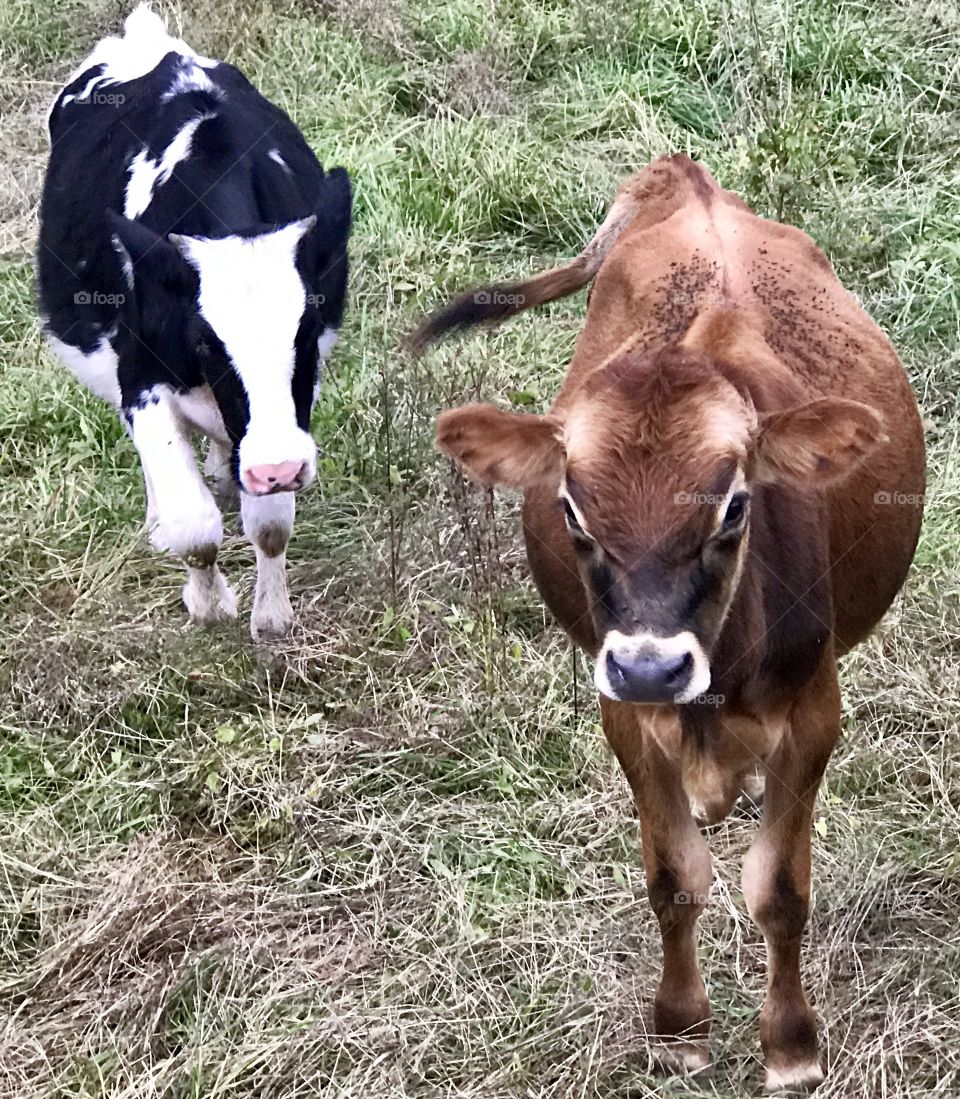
(651, 443)
(675, 402)
(661, 509)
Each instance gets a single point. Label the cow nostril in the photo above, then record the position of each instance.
(681, 670)
(281, 476)
(614, 669)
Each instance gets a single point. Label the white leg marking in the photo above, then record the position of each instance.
(796, 1078)
(268, 523)
(186, 518)
(151, 502)
(181, 512)
(684, 1059)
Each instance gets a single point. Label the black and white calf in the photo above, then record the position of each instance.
(192, 269)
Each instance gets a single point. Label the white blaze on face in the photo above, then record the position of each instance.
(252, 295)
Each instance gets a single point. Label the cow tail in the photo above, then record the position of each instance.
(492, 304)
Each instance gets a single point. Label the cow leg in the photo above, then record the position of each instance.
(776, 882)
(679, 875)
(182, 516)
(268, 523)
(151, 502)
(217, 468)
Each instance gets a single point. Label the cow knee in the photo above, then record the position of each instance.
(272, 539)
(268, 522)
(678, 893)
(776, 904)
(193, 530)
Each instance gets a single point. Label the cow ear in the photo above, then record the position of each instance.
(322, 254)
(144, 254)
(816, 443)
(335, 203)
(326, 230)
(505, 448)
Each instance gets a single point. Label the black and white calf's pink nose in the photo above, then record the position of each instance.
(268, 477)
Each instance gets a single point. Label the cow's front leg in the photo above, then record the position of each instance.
(268, 523)
(182, 516)
(679, 875)
(776, 883)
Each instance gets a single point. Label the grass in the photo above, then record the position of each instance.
(392, 855)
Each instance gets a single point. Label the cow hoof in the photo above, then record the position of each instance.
(269, 623)
(683, 1059)
(209, 599)
(799, 1079)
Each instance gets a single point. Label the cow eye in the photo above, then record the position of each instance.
(573, 524)
(736, 510)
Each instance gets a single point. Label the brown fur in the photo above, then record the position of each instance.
(715, 339)
(507, 448)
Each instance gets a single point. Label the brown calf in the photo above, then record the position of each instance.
(723, 499)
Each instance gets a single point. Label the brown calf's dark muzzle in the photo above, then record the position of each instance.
(650, 676)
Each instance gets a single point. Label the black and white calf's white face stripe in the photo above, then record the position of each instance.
(253, 297)
(255, 330)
